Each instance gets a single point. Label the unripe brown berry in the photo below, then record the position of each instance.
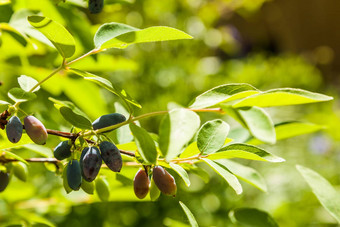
(35, 130)
(164, 181)
(141, 184)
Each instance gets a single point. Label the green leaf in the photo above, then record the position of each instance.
(282, 97)
(190, 150)
(176, 130)
(17, 157)
(189, 215)
(245, 173)
(4, 103)
(109, 31)
(105, 84)
(291, 129)
(152, 34)
(245, 151)
(227, 176)
(223, 93)
(259, 123)
(181, 172)
(19, 95)
(252, 217)
(123, 134)
(324, 191)
(146, 145)
(75, 119)
(27, 83)
(211, 136)
(56, 33)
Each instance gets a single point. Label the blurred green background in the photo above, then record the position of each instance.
(268, 44)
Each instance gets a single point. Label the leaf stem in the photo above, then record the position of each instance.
(94, 51)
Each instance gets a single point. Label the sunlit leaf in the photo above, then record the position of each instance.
(4, 103)
(109, 31)
(181, 172)
(176, 130)
(282, 97)
(259, 123)
(75, 119)
(19, 95)
(291, 129)
(56, 33)
(146, 145)
(211, 136)
(17, 157)
(27, 83)
(244, 151)
(105, 84)
(190, 150)
(252, 217)
(227, 176)
(151, 34)
(245, 173)
(223, 93)
(324, 191)
(123, 133)
(189, 215)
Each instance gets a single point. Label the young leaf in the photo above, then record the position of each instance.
(75, 119)
(4, 103)
(181, 172)
(211, 136)
(109, 31)
(252, 217)
(105, 84)
(27, 83)
(152, 34)
(245, 151)
(244, 173)
(282, 97)
(189, 215)
(291, 129)
(123, 134)
(56, 33)
(324, 191)
(227, 176)
(223, 93)
(176, 130)
(259, 123)
(190, 150)
(146, 145)
(17, 157)
(19, 95)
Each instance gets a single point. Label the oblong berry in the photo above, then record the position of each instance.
(73, 174)
(164, 181)
(90, 163)
(96, 6)
(108, 120)
(62, 150)
(14, 129)
(111, 156)
(35, 130)
(141, 184)
(4, 180)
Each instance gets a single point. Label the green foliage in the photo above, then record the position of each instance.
(56, 33)
(324, 191)
(252, 217)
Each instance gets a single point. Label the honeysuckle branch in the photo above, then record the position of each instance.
(147, 115)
